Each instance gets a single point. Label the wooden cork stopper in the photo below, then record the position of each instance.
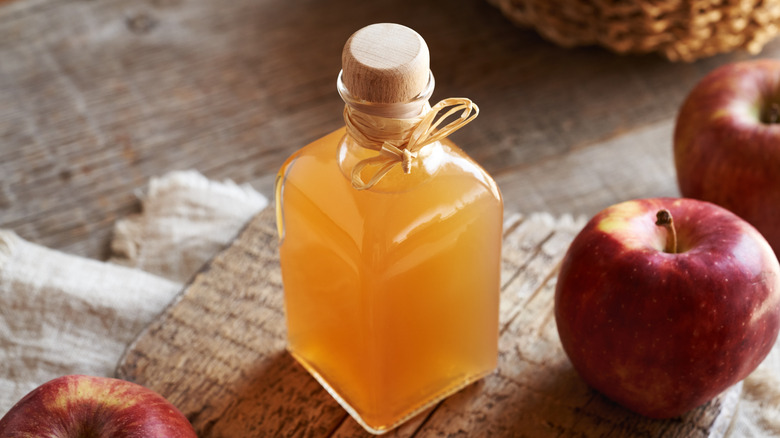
(385, 63)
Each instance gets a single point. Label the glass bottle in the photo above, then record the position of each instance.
(390, 259)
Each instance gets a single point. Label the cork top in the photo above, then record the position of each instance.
(385, 63)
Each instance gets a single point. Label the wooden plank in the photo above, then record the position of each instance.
(634, 165)
(218, 353)
(96, 97)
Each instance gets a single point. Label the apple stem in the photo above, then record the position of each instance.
(774, 113)
(664, 219)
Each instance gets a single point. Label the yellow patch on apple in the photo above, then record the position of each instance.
(86, 391)
(622, 220)
(622, 217)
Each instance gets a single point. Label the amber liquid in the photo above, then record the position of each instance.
(391, 293)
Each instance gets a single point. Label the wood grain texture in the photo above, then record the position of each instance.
(218, 353)
(96, 97)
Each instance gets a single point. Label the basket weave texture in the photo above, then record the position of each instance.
(680, 30)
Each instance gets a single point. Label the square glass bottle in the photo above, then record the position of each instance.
(390, 241)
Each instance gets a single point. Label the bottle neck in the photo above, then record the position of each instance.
(394, 110)
(383, 128)
(397, 132)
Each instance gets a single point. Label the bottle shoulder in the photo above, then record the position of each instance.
(317, 147)
(459, 162)
(436, 163)
(447, 185)
(332, 158)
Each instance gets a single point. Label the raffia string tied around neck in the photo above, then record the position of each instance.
(398, 140)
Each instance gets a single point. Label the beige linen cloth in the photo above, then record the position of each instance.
(63, 314)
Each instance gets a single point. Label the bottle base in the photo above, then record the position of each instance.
(382, 429)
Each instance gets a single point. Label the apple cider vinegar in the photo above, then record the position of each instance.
(390, 258)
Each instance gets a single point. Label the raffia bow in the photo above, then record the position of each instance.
(399, 140)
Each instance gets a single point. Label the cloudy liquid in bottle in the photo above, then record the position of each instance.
(391, 293)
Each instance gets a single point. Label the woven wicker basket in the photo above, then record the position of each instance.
(677, 29)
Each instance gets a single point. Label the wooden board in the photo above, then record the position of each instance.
(218, 353)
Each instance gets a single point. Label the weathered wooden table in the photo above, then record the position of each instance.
(96, 97)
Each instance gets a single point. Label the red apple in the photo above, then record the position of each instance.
(727, 143)
(663, 330)
(79, 406)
